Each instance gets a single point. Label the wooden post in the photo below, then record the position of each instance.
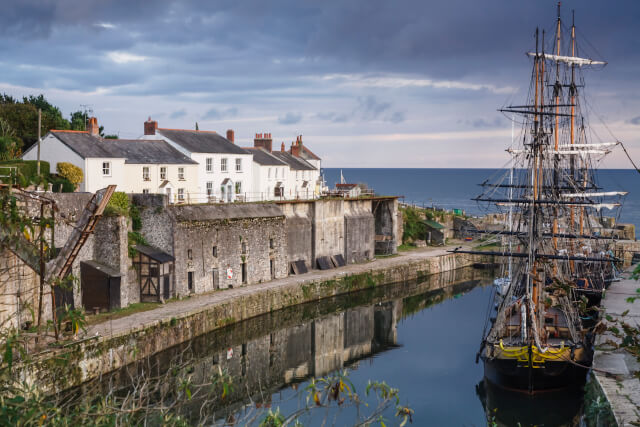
(39, 130)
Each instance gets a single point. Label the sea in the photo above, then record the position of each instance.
(452, 188)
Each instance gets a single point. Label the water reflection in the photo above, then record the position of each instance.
(508, 408)
(265, 354)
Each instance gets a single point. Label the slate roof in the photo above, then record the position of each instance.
(83, 144)
(309, 153)
(201, 141)
(263, 157)
(137, 151)
(226, 211)
(154, 253)
(295, 163)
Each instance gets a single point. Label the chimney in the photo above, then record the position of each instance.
(263, 140)
(282, 147)
(296, 147)
(231, 136)
(150, 127)
(92, 127)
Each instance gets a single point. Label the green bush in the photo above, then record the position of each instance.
(118, 205)
(71, 172)
(413, 225)
(58, 182)
(28, 168)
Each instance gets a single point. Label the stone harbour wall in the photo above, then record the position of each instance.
(99, 355)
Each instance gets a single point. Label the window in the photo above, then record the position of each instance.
(181, 174)
(189, 254)
(223, 165)
(209, 188)
(209, 164)
(239, 187)
(145, 173)
(244, 248)
(190, 281)
(163, 172)
(106, 168)
(145, 191)
(181, 194)
(238, 165)
(214, 252)
(271, 244)
(297, 174)
(269, 173)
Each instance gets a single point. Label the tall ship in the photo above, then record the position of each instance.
(556, 240)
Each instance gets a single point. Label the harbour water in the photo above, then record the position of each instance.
(420, 338)
(454, 188)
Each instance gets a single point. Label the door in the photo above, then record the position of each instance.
(244, 272)
(190, 281)
(214, 278)
(166, 286)
(229, 193)
(169, 194)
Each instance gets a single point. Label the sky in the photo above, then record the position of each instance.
(368, 83)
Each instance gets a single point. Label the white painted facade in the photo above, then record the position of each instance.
(177, 181)
(214, 169)
(99, 172)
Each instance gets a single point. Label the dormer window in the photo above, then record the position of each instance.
(106, 168)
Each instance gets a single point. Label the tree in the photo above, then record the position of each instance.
(79, 120)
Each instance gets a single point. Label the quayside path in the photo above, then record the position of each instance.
(194, 303)
(614, 367)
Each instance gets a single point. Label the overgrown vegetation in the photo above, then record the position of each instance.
(118, 205)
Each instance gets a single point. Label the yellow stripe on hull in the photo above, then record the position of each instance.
(521, 354)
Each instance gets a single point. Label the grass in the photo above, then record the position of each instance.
(138, 307)
(406, 247)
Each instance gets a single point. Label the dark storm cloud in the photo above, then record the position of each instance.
(290, 119)
(451, 39)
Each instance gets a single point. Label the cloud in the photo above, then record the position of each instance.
(290, 118)
(635, 120)
(178, 114)
(216, 114)
(398, 82)
(481, 123)
(125, 57)
(333, 117)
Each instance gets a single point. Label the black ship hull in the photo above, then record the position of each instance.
(553, 376)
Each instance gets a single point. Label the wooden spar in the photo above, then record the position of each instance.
(535, 121)
(557, 129)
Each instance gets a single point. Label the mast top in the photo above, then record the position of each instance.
(559, 4)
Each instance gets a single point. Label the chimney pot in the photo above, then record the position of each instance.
(231, 135)
(282, 147)
(92, 127)
(150, 127)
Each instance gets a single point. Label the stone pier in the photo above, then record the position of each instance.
(615, 369)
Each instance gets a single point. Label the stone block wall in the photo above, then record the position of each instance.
(254, 242)
(328, 228)
(359, 231)
(298, 223)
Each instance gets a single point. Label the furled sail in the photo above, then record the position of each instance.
(569, 60)
(599, 194)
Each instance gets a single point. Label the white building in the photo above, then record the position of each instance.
(134, 166)
(284, 174)
(225, 171)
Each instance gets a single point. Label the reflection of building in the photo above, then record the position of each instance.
(315, 348)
